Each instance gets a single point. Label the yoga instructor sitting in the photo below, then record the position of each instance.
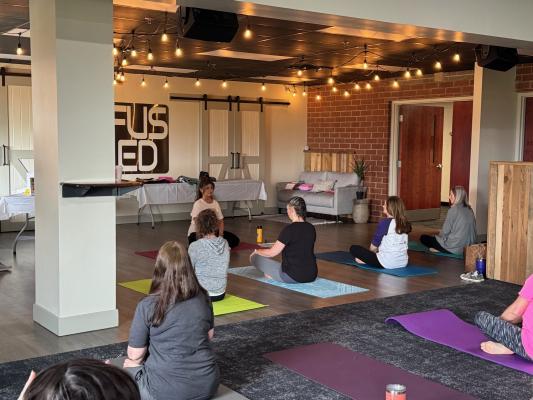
(296, 244)
(459, 229)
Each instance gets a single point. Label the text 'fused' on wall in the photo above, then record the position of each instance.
(141, 138)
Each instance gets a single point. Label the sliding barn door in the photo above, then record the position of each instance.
(232, 143)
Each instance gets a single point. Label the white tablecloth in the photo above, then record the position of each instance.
(176, 193)
(16, 205)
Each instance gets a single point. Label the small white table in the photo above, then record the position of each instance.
(232, 191)
(11, 206)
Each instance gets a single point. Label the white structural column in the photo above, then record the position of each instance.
(493, 133)
(75, 260)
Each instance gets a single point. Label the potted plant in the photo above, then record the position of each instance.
(360, 167)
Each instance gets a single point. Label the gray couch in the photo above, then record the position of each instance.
(337, 203)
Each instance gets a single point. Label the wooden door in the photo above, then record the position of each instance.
(461, 140)
(527, 154)
(249, 142)
(420, 157)
(218, 126)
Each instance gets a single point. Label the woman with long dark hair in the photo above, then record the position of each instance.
(205, 200)
(169, 353)
(296, 244)
(459, 228)
(388, 248)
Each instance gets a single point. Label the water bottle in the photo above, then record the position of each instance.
(481, 266)
(259, 232)
(395, 392)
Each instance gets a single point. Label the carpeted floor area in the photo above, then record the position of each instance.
(358, 326)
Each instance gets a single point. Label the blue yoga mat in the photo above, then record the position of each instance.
(321, 287)
(417, 246)
(343, 257)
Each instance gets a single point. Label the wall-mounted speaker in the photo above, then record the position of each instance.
(498, 58)
(209, 25)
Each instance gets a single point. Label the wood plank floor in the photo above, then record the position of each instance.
(22, 338)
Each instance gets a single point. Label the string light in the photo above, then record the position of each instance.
(150, 54)
(357, 86)
(346, 93)
(294, 93)
(164, 36)
(224, 84)
(133, 52)
(438, 65)
(395, 84)
(331, 81)
(376, 77)
(419, 72)
(368, 86)
(115, 50)
(334, 89)
(19, 48)
(165, 85)
(365, 64)
(263, 87)
(122, 76)
(143, 82)
(456, 57)
(407, 74)
(304, 93)
(318, 97)
(179, 52)
(124, 61)
(114, 81)
(300, 72)
(248, 32)
(197, 83)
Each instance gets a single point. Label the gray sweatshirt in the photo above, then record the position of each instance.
(459, 229)
(210, 259)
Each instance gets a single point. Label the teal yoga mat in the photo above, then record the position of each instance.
(343, 257)
(417, 246)
(321, 287)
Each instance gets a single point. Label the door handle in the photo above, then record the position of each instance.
(439, 166)
(5, 154)
(232, 160)
(237, 160)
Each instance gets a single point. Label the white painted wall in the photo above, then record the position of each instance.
(285, 126)
(494, 133)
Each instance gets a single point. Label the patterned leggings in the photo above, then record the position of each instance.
(502, 332)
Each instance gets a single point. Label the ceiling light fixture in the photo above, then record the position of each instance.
(365, 63)
(165, 85)
(164, 36)
(197, 83)
(304, 93)
(20, 51)
(263, 87)
(248, 32)
(179, 52)
(143, 82)
(150, 54)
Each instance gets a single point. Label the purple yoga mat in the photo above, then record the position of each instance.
(356, 375)
(444, 327)
(243, 246)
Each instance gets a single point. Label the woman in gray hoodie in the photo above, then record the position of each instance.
(459, 229)
(210, 255)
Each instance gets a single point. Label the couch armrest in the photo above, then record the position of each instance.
(344, 197)
(281, 186)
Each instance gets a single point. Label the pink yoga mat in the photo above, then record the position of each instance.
(356, 375)
(444, 327)
(243, 246)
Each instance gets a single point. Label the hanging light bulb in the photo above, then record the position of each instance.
(20, 51)
(224, 84)
(456, 57)
(122, 77)
(376, 77)
(407, 74)
(346, 93)
(300, 72)
(395, 84)
(179, 52)
(143, 82)
(318, 97)
(334, 89)
(357, 86)
(165, 85)
(365, 64)
(248, 32)
(124, 61)
(304, 93)
(115, 77)
(133, 52)
(263, 87)
(164, 37)
(331, 81)
(438, 65)
(115, 50)
(419, 72)
(150, 54)
(368, 86)
(294, 93)
(197, 83)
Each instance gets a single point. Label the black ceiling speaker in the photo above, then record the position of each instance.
(498, 58)
(209, 25)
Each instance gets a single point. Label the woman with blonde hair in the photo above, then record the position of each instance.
(169, 354)
(388, 248)
(459, 228)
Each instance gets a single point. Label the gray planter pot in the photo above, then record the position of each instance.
(361, 211)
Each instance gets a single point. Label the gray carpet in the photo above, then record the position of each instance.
(358, 326)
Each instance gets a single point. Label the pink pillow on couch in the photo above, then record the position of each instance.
(305, 187)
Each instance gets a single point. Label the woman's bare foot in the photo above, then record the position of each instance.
(495, 348)
(359, 261)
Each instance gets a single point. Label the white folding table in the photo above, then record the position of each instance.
(232, 191)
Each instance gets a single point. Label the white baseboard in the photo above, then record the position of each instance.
(62, 326)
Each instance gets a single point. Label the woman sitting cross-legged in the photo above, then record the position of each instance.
(388, 248)
(169, 354)
(296, 244)
(210, 255)
(507, 337)
(204, 201)
(459, 228)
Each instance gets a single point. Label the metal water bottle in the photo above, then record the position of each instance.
(481, 266)
(395, 392)
(259, 232)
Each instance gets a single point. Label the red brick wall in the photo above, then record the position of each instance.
(524, 78)
(361, 123)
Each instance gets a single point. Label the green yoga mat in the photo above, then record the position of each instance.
(230, 304)
(417, 246)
